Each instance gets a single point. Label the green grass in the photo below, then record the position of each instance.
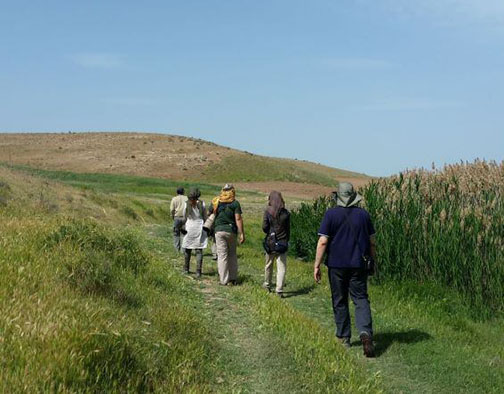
(426, 338)
(112, 183)
(95, 305)
(253, 168)
(72, 323)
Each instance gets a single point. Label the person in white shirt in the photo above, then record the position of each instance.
(195, 238)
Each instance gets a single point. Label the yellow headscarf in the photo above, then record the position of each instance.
(227, 195)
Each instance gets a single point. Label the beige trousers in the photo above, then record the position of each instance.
(227, 260)
(281, 260)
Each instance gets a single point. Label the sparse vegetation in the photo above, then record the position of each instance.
(161, 156)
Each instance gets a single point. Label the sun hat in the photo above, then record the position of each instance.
(346, 196)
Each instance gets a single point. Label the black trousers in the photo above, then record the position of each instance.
(199, 259)
(354, 281)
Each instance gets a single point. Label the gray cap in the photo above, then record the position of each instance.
(346, 196)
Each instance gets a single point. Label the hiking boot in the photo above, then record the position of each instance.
(280, 295)
(367, 344)
(345, 341)
(266, 286)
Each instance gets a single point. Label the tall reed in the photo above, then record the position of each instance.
(443, 225)
(446, 226)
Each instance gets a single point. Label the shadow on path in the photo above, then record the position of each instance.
(301, 291)
(383, 340)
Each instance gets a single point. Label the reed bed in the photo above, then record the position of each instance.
(442, 225)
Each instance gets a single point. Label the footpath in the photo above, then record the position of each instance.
(267, 344)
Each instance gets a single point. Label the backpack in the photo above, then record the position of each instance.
(201, 208)
(270, 242)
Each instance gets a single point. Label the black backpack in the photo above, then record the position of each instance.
(270, 242)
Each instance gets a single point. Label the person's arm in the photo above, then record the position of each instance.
(184, 212)
(321, 248)
(372, 237)
(172, 208)
(372, 246)
(287, 227)
(239, 224)
(265, 223)
(204, 213)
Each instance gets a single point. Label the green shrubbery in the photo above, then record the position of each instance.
(305, 222)
(107, 261)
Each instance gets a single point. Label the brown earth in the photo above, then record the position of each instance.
(140, 154)
(153, 155)
(297, 190)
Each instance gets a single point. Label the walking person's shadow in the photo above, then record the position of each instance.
(301, 291)
(383, 340)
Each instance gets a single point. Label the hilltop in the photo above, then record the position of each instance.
(170, 157)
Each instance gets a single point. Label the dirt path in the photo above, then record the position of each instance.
(250, 360)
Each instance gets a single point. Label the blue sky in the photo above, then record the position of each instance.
(374, 86)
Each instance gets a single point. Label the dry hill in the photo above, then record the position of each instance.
(171, 157)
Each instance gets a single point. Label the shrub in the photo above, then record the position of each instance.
(105, 261)
(305, 222)
(5, 193)
(130, 212)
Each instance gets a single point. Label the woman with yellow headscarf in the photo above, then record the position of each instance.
(228, 227)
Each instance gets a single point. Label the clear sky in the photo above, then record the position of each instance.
(374, 86)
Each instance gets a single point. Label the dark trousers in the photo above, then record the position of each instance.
(354, 281)
(178, 222)
(199, 259)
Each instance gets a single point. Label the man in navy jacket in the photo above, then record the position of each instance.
(346, 235)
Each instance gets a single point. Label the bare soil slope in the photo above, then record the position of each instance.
(168, 156)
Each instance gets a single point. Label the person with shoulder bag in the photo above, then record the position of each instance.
(347, 236)
(276, 225)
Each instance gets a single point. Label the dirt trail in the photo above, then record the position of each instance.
(250, 360)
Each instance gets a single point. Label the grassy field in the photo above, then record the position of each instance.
(94, 299)
(249, 168)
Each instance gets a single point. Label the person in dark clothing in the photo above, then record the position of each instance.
(276, 225)
(346, 235)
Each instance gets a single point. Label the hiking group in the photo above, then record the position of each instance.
(346, 245)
